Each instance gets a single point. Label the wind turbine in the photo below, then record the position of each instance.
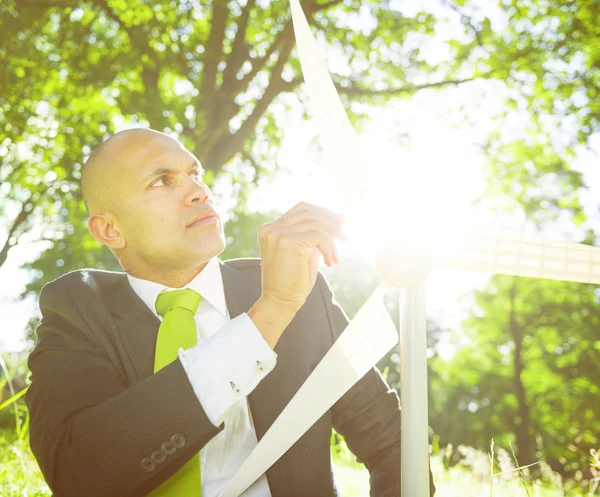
(405, 258)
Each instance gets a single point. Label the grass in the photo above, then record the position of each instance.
(473, 477)
(21, 477)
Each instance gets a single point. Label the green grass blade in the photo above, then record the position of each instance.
(516, 469)
(24, 428)
(14, 398)
(12, 391)
(491, 466)
(520, 468)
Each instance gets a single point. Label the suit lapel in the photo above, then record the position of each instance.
(241, 291)
(270, 396)
(124, 301)
(267, 400)
(137, 327)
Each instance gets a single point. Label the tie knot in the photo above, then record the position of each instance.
(185, 297)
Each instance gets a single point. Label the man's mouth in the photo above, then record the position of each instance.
(204, 217)
(204, 221)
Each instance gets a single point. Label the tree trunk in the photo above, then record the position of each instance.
(26, 209)
(525, 442)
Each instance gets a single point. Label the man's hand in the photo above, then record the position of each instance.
(290, 249)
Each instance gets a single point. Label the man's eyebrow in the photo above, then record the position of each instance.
(169, 170)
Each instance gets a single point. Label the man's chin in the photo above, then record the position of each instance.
(210, 247)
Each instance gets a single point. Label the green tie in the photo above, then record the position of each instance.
(178, 329)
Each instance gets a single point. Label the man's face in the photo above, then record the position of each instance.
(161, 192)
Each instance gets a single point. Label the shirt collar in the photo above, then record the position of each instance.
(208, 283)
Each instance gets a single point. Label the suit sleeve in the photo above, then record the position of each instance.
(368, 416)
(91, 433)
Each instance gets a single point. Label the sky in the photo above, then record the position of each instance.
(443, 161)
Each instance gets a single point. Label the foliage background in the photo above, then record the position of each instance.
(220, 75)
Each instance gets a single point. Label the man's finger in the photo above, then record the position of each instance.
(301, 217)
(306, 208)
(313, 239)
(313, 225)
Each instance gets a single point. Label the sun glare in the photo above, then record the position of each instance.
(422, 191)
(424, 180)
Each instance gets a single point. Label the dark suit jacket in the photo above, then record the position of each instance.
(97, 410)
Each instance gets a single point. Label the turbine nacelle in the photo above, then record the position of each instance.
(404, 256)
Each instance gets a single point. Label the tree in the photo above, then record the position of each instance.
(526, 370)
(208, 74)
(547, 55)
(214, 74)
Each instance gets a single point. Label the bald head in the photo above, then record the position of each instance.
(100, 177)
(144, 192)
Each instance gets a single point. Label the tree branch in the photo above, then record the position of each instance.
(14, 170)
(228, 145)
(137, 39)
(358, 91)
(223, 145)
(324, 6)
(283, 37)
(465, 19)
(247, 157)
(150, 76)
(274, 88)
(46, 4)
(257, 64)
(150, 73)
(220, 122)
(239, 50)
(20, 219)
(213, 55)
(291, 85)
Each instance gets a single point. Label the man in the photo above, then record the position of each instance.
(106, 422)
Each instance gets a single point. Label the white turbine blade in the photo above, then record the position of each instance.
(343, 158)
(505, 251)
(368, 337)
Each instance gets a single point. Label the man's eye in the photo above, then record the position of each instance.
(159, 179)
(195, 172)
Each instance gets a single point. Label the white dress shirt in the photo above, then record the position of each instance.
(229, 360)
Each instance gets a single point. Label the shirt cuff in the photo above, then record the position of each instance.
(227, 366)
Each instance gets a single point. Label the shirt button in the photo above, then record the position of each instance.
(147, 464)
(178, 440)
(158, 456)
(259, 366)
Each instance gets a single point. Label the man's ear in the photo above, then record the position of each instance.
(103, 228)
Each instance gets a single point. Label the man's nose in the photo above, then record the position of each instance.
(197, 192)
